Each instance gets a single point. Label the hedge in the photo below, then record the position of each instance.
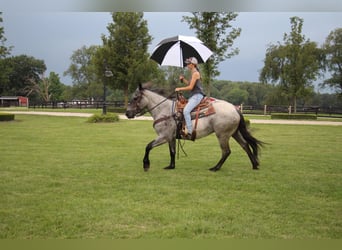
(6, 117)
(103, 118)
(294, 116)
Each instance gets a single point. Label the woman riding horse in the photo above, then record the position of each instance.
(225, 123)
(196, 94)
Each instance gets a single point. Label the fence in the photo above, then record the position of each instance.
(246, 109)
(78, 104)
(269, 109)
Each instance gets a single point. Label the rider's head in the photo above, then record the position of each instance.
(191, 60)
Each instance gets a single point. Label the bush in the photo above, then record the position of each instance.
(103, 118)
(294, 117)
(6, 117)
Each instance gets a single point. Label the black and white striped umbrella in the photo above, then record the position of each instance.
(174, 50)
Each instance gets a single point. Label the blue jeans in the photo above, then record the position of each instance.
(192, 103)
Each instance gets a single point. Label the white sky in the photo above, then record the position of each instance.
(53, 36)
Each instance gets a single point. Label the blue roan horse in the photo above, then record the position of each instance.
(226, 122)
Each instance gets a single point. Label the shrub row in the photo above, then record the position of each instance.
(103, 118)
(6, 117)
(294, 116)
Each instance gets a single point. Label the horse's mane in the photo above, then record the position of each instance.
(160, 91)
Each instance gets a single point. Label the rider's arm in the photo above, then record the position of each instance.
(195, 76)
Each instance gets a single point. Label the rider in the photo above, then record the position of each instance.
(196, 94)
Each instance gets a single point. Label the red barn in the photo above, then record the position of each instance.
(17, 101)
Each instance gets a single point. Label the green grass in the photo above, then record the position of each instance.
(71, 110)
(61, 177)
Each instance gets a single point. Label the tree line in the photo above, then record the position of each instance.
(122, 62)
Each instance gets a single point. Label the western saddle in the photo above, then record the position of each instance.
(204, 109)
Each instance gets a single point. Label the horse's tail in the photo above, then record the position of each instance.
(254, 143)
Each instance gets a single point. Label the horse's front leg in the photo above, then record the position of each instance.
(146, 161)
(172, 148)
(157, 142)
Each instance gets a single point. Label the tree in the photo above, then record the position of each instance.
(4, 51)
(45, 89)
(237, 96)
(83, 72)
(39, 89)
(217, 33)
(124, 53)
(19, 71)
(56, 87)
(333, 61)
(294, 64)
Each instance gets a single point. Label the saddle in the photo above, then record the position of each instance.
(203, 109)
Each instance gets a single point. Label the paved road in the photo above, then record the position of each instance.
(123, 117)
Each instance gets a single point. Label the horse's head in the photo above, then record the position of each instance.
(137, 104)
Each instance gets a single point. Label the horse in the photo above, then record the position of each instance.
(226, 122)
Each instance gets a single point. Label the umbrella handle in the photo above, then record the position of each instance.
(182, 79)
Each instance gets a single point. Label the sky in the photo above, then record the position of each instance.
(54, 35)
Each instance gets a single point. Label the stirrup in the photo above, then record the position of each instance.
(191, 136)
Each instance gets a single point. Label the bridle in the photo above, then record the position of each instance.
(141, 112)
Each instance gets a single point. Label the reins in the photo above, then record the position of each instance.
(158, 104)
(165, 99)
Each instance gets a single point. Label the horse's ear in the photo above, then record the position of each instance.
(147, 85)
(140, 87)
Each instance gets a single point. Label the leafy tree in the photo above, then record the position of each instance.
(56, 87)
(83, 73)
(4, 51)
(237, 96)
(217, 33)
(171, 75)
(124, 53)
(249, 93)
(294, 64)
(333, 61)
(20, 71)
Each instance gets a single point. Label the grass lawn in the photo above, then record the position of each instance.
(70, 110)
(61, 177)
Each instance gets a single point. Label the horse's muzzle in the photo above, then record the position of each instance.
(130, 114)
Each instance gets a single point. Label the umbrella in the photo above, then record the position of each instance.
(174, 50)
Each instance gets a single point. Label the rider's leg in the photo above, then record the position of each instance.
(192, 103)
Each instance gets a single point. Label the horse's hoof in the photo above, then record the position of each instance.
(255, 168)
(146, 169)
(169, 167)
(146, 165)
(214, 169)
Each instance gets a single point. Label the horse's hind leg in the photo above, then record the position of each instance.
(224, 144)
(238, 137)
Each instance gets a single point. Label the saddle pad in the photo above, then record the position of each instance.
(208, 110)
